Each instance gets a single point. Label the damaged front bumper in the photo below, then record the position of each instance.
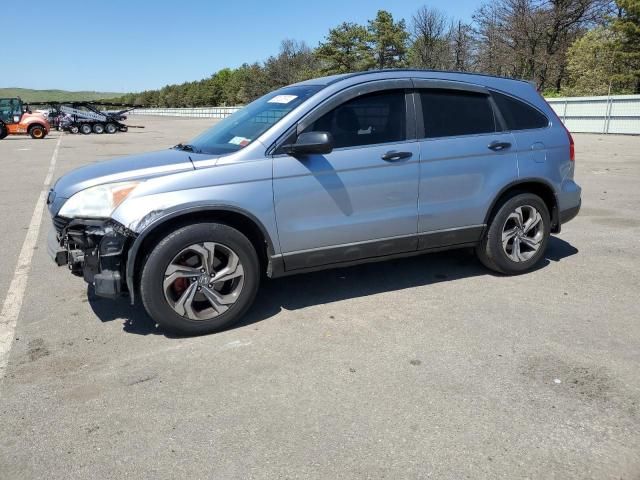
(93, 249)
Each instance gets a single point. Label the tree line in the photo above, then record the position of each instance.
(567, 47)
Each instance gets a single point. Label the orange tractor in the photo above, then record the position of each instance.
(17, 119)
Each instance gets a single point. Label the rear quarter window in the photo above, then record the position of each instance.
(518, 115)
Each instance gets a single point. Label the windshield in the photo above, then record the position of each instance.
(243, 127)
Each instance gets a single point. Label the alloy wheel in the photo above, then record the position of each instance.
(522, 233)
(203, 280)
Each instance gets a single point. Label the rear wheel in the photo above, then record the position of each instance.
(85, 128)
(110, 128)
(37, 131)
(98, 128)
(517, 236)
(200, 278)
(124, 128)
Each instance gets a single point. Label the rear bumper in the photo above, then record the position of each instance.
(569, 201)
(570, 213)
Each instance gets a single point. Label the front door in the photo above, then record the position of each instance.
(360, 200)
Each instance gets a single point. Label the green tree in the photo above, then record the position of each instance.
(627, 26)
(593, 66)
(253, 82)
(219, 86)
(346, 49)
(388, 40)
(295, 62)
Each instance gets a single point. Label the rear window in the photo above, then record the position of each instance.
(519, 115)
(451, 113)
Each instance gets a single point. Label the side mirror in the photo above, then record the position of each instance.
(310, 143)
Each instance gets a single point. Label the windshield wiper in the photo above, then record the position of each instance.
(186, 148)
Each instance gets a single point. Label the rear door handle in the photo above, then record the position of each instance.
(394, 156)
(497, 146)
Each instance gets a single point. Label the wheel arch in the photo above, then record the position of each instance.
(537, 186)
(237, 218)
(30, 125)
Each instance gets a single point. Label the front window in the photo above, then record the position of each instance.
(9, 107)
(243, 127)
(378, 117)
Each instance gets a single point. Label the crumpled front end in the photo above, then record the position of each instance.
(93, 249)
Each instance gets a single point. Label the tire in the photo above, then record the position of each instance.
(162, 295)
(98, 128)
(3, 131)
(110, 128)
(74, 129)
(37, 132)
(85, 129)
(525, 235)
(124, 129)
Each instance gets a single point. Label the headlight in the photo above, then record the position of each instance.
(99, 201)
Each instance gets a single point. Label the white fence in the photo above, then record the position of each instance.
(199, 112)
(614, 114)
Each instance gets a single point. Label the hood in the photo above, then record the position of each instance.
(133, 167)
(37, 117)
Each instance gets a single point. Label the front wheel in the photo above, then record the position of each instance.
(38, 132)
(517, 236)
(200, 278)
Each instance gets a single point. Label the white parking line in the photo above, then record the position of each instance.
(13, 301)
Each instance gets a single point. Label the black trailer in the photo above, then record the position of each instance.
(87, 117)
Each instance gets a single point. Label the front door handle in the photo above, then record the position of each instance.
(497, 146)
(393, 156)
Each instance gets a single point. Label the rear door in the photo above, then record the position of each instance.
(360, 200)
(529, 127)
(465, 160)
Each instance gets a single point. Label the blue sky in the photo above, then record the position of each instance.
(134, 45)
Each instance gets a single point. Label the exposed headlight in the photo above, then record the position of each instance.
(99, 201)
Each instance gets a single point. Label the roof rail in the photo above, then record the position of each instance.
(409, 70)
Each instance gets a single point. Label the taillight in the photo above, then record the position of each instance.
(572, 147)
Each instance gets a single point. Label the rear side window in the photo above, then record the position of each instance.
(451, 113)
(519, 115)
(366, 120)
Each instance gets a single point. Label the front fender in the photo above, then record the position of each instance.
(162, 218)
(32, 119)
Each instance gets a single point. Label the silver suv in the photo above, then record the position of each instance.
(324, 173)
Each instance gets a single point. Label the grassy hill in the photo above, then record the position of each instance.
(29, 95)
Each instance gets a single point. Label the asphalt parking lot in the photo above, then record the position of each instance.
(429, 367)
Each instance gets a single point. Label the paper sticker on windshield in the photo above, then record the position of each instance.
(283, 99)
(242, 141)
